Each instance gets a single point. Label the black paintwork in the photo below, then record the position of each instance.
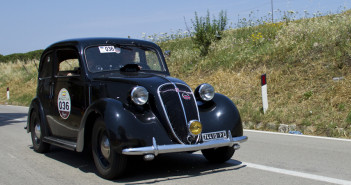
(107, 95)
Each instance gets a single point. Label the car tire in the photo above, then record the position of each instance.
(218, 155)
(37, 133)
(109, 164)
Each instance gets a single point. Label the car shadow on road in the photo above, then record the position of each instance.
(165, 167)
(12, 118)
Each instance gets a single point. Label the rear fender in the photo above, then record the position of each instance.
(36, 106)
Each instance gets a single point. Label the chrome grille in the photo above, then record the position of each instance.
(180, 108)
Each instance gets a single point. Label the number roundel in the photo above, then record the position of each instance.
(64, 103)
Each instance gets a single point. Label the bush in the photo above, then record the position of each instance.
(207, 31)
(25, 57)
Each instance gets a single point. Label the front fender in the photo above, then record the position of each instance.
(220, 114)
(124, 127)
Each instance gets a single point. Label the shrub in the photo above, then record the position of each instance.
(207, 31)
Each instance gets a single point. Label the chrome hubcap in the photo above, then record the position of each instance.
(37, 131)
(105, 147)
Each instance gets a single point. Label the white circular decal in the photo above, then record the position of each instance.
(64, 103)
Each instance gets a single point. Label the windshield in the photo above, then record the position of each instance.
(109, 58)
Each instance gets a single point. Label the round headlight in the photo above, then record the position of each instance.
(206, 92)
(195, 127)
(139, 95)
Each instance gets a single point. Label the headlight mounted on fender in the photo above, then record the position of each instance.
(139, 95)
(205, 92)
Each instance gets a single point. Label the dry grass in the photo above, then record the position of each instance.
(300, 59)
(21, 78)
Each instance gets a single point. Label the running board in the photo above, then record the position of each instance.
(70, 145)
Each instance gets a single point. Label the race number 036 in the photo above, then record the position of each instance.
(64, 103)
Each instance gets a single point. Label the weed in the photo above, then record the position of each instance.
(348, 118)
(207, 31)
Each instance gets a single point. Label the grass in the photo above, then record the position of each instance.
(300, 58)
(21, 78)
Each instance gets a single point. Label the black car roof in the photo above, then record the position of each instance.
(84, 42)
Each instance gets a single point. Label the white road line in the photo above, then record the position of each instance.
(297, 174)
(11, 156)
(297, 135)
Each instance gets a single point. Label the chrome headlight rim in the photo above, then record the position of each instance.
(205, 92)
(139, 95)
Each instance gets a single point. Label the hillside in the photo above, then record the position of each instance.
(302, 59)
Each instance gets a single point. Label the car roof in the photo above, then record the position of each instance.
(82, 43)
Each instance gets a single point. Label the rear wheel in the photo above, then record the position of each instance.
(37, 133)
(109, 164)
(218, 155)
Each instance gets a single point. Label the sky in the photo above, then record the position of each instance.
(32, 25)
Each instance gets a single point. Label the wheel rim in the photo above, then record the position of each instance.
(103, 149)
(105, 146)
(37, 132)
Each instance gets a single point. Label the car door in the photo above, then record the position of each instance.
(45, 82)
(69, 89)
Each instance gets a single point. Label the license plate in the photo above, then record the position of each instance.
(214, 135)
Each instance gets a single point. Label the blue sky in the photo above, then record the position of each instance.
(31, 25)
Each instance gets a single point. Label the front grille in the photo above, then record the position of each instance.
(180, 108)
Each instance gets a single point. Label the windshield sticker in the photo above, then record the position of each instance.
(107, 49)
(64, 103)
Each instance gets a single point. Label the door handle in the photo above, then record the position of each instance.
(51, 96)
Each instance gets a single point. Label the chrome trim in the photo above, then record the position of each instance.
(165, 111)
(37, 131)
(132, 95)
(162, 149)
(105, 147)
(180, 99)
(197, 109)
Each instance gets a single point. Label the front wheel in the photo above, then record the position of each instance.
(109, 164)
(218, 155)
(37, 134)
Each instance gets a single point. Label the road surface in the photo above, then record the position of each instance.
(266, 158)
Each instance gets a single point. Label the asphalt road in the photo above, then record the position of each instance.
(266, 158)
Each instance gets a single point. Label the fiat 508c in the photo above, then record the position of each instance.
(115, 98)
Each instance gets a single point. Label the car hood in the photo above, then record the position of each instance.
(147, 80)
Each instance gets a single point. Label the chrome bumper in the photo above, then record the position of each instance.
(162, 149)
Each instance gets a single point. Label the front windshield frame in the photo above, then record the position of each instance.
(160, 60)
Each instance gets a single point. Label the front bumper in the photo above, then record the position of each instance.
(163, 149)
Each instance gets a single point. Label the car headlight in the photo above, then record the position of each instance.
(205, 92)
(195, 127)
(139, 95)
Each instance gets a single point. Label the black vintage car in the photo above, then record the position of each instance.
(115, 98)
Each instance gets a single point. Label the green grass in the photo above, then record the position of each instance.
(300, 59)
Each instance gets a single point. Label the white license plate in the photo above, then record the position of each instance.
(214, 135)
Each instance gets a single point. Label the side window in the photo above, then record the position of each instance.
(152, 60)
(68, 63)
(47, 67)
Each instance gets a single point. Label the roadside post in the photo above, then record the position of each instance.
(264, 92)
(8, 93)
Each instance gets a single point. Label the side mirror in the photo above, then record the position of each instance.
(167, 53)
